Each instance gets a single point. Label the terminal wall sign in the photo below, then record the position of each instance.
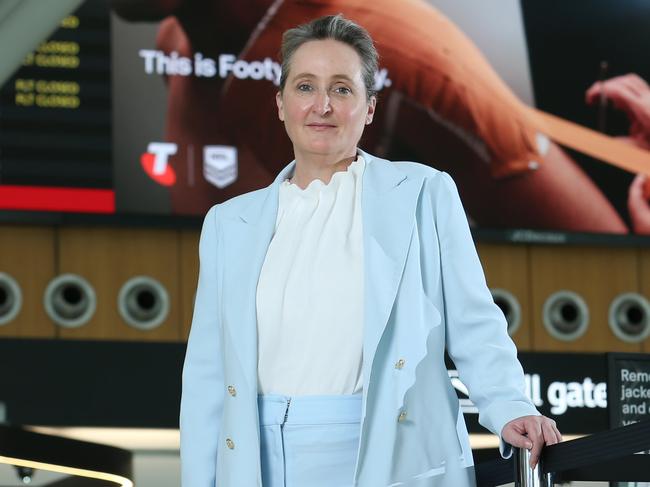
(629, 401)
(629, 381)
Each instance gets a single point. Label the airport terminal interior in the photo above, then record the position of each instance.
(124, 122)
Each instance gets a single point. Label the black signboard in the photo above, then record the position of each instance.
(629, 381)
(84, 383)
(629, 402)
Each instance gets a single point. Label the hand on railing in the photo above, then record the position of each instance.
(531, 433)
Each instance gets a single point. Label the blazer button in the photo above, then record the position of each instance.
(402, 416)
(230, 443)
(232, 391)
(400, 363)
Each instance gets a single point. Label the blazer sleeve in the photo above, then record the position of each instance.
(203, 377)
(476, 331)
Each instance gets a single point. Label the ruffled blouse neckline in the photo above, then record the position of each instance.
(317, 186)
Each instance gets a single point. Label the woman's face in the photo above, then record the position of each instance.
(324, 105)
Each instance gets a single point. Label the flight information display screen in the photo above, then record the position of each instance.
(55, 120)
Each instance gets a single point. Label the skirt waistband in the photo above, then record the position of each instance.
(320, 409)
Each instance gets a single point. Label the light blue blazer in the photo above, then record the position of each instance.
(424, 292)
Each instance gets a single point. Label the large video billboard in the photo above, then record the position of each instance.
(540, 111)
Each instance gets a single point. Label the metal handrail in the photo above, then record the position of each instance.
(525, 476)
(608, 455)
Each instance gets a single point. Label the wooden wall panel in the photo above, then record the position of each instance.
(598, 274)
(506, 267)
(27, 254)
(189, 275)
(107, 258)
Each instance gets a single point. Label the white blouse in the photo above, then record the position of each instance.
(310, 290)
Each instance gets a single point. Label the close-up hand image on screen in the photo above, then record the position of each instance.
(131, 109)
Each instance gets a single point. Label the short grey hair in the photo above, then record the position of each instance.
(340, 29)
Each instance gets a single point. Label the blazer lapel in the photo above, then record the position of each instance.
(388, 204)
(249, 235)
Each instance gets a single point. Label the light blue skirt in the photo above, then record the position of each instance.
(309, 440)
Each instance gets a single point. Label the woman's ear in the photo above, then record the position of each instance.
(372, 104)
(278, 101)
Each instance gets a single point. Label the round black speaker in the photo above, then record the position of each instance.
(566, 315)
(629, 317)
(70, 300)
(143, 302)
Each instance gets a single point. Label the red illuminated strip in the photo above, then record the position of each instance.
(43, 198)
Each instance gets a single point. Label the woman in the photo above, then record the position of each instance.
(325, 303)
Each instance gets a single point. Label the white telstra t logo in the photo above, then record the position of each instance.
(161, 151)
